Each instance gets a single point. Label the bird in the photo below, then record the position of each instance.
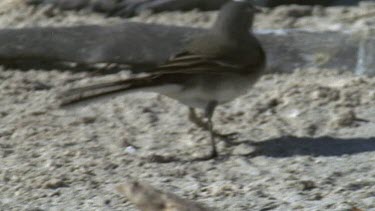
(213, 68)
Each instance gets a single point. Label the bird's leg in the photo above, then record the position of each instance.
(193, 117)
(209, 111)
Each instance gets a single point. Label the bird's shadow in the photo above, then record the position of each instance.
(320, 146)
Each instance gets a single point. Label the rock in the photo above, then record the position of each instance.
(343, 118)
(147, 198)
(243, 149)
(54, 184)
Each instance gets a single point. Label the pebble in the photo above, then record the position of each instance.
(243, 149)
(343, 118)
(54, 184)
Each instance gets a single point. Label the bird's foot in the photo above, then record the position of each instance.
(212, 155)
(228, 138)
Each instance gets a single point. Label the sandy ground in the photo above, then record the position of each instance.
(305, 141)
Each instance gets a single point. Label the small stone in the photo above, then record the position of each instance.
(38, 112)
(83, 120)
(308, 129)
(3, 113)
(88, 119)
(294, 11)
(308, 185)
(107, 201)
(54, 184)
(130, 150)
(55, 193)
(343, 118)
(243, 149)
(154, 158)
(35, 209)
(325, 93)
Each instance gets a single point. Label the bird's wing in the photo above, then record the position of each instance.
(189, 63)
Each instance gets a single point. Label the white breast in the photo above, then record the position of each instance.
(220, 89)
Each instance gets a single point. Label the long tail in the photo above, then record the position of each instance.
(91, 92)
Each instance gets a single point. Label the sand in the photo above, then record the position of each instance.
(303, 141)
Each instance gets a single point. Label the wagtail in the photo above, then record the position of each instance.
(215, 67)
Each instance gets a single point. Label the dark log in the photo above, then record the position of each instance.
(127, 8)
(142, 46)
(136, 44)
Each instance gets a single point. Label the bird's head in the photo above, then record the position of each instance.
(236, 16)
